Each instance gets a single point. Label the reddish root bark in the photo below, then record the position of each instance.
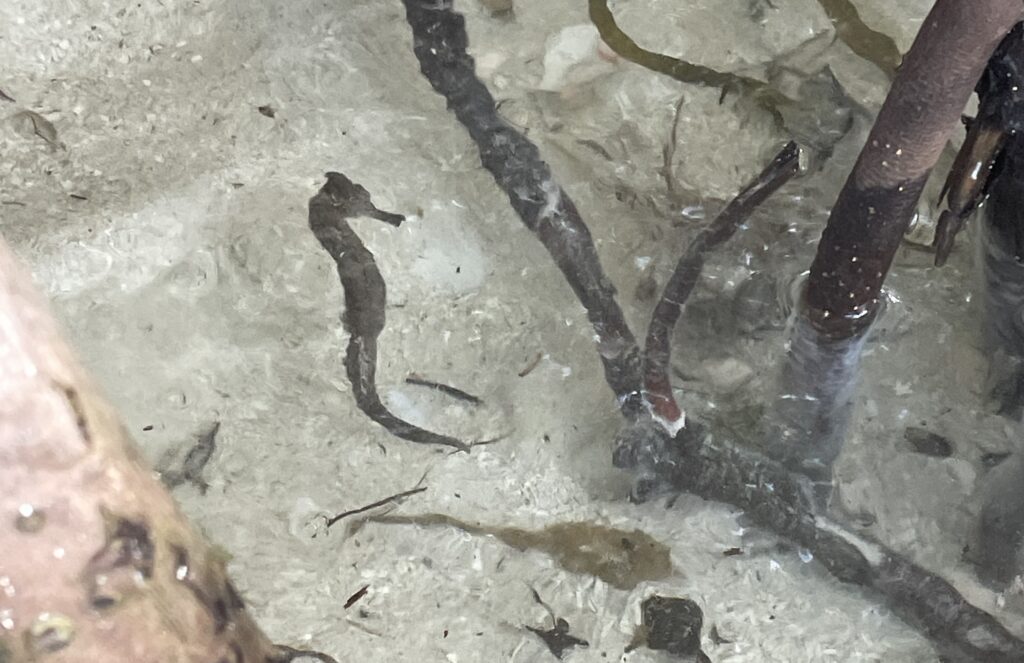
(98, 563)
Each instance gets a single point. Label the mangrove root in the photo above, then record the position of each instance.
(98, 562)
(783, 502)
(658, 345)
(693, 461)
(439, 43)
(871, 215)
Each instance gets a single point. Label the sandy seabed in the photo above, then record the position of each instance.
(166, 221)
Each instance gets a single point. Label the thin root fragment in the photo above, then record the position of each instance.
(286, 654)
(391, 499)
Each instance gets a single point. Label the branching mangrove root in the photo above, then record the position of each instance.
(440, 43)
(365, 298)
(97, 561)
(870, 217)
(658, 345)
(691, 461)
(783, 502)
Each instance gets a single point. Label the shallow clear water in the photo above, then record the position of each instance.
(169, 230)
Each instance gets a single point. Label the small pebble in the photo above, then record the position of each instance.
(673, 624)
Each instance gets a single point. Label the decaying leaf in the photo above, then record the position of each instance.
(39, 125)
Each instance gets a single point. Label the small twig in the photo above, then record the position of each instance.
(454, 392)
(285, 654)
(6, 97)
(531, 365)
(481, 443)
(354, 623)
(657, 349)
(360, 593)
(668, 152)
(493, 440)
(374, 505)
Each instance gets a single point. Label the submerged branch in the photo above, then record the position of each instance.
(695, 462)
(440, 43)
(692, 461)
(657, 348)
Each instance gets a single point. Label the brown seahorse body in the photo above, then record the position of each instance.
(365, 297)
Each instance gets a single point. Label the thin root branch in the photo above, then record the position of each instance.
(668, 152)
(657, 350)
